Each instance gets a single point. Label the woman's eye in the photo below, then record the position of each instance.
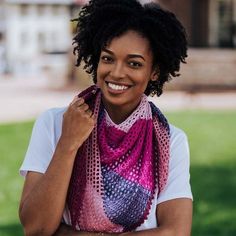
(106, 59)
(135, 64)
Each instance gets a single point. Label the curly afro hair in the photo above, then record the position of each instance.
(102, 20)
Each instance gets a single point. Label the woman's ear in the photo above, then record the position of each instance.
(153, 77)
(155, 74)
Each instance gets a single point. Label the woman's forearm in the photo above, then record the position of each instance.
(65, 230)
(41, 210)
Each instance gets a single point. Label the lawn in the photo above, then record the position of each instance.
(13, 143)
(212, 138)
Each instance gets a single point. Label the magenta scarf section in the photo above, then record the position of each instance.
(119, 169)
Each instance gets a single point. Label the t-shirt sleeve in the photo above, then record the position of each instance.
(41, 146)
(178, 183)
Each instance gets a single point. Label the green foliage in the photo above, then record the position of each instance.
(213, 177)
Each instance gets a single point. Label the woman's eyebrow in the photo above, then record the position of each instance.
(107, 50)
(135, 56)
(129, 55)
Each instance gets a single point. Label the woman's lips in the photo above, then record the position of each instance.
(117, 88)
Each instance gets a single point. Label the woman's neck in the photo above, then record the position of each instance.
(119, 114)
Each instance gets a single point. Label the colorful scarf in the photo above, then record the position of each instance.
(119, 168)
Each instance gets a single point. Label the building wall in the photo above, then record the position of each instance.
(213, 23)
(234, 19)
(206, 68)
(182, 9)
(206, 24)
(200, 23)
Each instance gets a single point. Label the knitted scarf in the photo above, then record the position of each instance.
(119, 168)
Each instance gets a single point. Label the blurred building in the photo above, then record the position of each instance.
(211, 30)
(3, 64)
(37, 34)
(209, 23)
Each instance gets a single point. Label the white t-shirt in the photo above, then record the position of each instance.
(47, 131)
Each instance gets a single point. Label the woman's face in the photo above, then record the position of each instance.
(124, 69)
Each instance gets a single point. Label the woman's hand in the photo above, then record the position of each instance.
(78, 123)
(65, 230)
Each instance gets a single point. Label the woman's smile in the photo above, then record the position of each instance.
(117, 88)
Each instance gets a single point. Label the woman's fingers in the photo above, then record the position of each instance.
(89, 112)
(84, 107)
(74, 100)
(77, 101)
(79, 104)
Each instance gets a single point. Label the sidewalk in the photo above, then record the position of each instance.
(25, 99)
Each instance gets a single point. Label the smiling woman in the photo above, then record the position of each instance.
(110, 163)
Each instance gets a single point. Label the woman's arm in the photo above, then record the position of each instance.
(174, 219)
(44, 195)
(175, 216)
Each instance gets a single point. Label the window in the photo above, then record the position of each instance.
(56, 10)
(226, 25)
(42, 42)
(24, 39)
(41, 9)
(24, 9)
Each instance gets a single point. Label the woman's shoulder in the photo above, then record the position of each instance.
(50, 121)
(179, 146)
(177, 134)
(54, 112)
(52, 115)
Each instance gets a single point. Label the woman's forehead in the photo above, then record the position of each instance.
(130, 40)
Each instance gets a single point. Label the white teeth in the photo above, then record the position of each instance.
(117, 87)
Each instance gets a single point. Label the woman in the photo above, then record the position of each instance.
(110, 163)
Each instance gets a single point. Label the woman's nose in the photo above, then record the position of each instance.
(117, 70)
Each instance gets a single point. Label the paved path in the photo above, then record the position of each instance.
(24, 99)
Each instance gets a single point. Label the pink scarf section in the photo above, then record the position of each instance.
(119, 168)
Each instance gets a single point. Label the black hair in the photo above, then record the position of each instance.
(102, 20)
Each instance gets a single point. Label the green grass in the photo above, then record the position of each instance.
(212, 138)
(13, 144)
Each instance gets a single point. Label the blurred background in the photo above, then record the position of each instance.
(37, 72)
